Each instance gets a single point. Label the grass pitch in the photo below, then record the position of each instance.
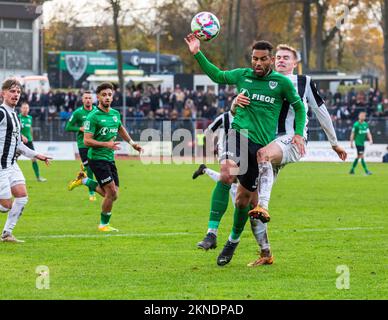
(322, 218)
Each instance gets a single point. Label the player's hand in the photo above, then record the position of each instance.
(114, 145)
(138, 148)
(44, 158)
(340, 152)
(352, 145)
(24, 139)
(193, 43)
(242, 100)
(82, 129)
(370, 142)
(299, 142)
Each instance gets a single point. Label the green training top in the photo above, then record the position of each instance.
(267, 94)
(76, 121)
(26, 123)
(104, 126)
(360, 131)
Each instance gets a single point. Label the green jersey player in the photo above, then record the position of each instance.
(102, 126)
(76, 124)
(358, 136)
(26, 131)
(252, 128)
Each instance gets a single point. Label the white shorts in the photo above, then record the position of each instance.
(9, 178)
(290, 151)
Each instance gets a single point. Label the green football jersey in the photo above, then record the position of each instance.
(76, 121)
(104, 126)
(26, 124)
(266, 94)
(360, 131)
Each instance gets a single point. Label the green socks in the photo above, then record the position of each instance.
(355, 162)
(89, 173)
(219, 204)
(105, 217)
(240, 219)
(91, 184)
(36, 169)
(363, 163)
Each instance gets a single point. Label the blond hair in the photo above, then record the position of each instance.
(288, 48)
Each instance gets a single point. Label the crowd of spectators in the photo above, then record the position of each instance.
(187, 104)
(348, 105)
(149, 104)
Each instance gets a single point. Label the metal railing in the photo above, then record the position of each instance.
(52, 128)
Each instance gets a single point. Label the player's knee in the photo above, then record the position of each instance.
(226, 175)
(21, 200)
(112, 194)
(5, 206)
(242, 201)
(263, 155)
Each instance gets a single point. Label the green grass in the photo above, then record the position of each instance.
(162, 213)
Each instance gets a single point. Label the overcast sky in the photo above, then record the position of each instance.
(85, 8)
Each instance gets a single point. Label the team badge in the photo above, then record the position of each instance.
(76, 65)
(115, 119)
(273, 84)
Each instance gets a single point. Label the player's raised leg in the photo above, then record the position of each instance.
(272, 153)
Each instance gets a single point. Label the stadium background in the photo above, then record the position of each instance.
(339, 220)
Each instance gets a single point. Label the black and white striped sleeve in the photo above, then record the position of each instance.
(2, 115)
(216, 124)
(318, 106)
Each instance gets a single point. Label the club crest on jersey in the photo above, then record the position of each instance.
(114, 118)
(273, 84)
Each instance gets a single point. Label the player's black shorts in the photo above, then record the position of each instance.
(104, 171)
(360, 150)
(30, 145)
(243, 152)
(83, 153)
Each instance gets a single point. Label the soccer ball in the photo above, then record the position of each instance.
(205, 26)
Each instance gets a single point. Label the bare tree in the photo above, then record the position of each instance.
(323, 37)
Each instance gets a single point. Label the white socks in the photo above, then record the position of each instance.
(214, 175)
(266, 179)
(259, 231)
(15, 213)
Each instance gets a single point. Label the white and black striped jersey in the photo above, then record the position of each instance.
(308, 92)
(10, 137)
(220, 126)
(223, 121)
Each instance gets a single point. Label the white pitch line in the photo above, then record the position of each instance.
(171, 234)
(127, 235)
(329, 229)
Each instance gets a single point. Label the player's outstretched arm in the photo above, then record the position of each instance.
(213, 72)
(317, 105)
(126, 137)
(44, 158)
